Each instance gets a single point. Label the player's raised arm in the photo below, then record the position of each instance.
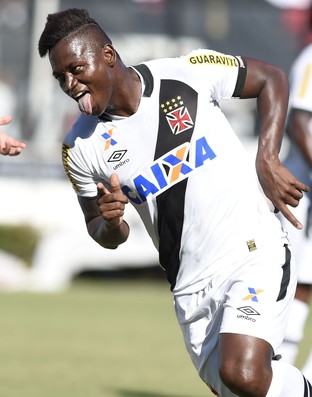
(270, 86)
(8, 145)
(104, 215)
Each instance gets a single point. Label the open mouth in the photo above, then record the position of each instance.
(80, 95)
(84, 102)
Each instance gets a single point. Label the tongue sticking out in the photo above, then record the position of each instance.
(85, 104)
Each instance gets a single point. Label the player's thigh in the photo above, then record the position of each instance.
(257, 302)
(244, 359)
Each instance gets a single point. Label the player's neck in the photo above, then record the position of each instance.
(129, 94)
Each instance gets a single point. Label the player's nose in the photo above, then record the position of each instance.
(70, 83)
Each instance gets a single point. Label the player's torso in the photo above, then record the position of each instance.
(183, 168)
(166, 141)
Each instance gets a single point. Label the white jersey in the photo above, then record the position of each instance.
(182, 167)
(300, 98)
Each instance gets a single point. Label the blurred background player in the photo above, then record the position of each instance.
(299, 161)
(8, 145)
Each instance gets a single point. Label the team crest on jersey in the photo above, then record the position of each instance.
(109, 141)
(177, 115)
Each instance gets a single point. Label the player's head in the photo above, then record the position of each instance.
(82, 58)
(64, 24)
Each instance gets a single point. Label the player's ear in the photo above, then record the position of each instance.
(110, 54)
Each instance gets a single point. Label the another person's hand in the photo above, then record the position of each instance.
(8, 145)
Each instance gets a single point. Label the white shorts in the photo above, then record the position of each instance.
(301, 240)
(252, 301)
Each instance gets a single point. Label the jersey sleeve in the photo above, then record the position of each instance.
(241, 78)
(78, 175)
(224, 75)
(75, 157)
(301, 82)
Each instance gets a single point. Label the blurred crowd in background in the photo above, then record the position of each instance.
(140, 30)
(34, 190)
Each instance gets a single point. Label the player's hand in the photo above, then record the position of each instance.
(282, 188)
(112, 203)
(8, 145)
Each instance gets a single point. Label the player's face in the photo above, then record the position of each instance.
(84, 72)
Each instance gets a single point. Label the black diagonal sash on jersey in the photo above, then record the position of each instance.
(307, 388)
(177, 116)
(286, 275)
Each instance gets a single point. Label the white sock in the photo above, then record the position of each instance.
(288, 381)
(294, 331)
(307, 369)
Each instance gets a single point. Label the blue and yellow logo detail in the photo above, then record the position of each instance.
(175, 162)
(253, 294)
(108, 138)
(168, 170)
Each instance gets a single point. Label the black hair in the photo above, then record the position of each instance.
(61, 24)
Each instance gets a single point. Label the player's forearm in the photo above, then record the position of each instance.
(272, 104)
(107, 235)
(270, 86)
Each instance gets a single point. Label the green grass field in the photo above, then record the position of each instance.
(99, 339)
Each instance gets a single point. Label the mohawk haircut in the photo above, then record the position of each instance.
(61, 24)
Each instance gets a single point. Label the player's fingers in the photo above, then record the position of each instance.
(297, 195)
(292, 201)
(4, 120)
(302, 187)
(290, 217)
(101, 189)
(115, 184)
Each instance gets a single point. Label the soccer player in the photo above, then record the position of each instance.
(154, 135)
(8, 145)
(299, 162)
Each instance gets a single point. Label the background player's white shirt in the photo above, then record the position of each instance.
(197, 197)
(301, 99)
(301, 81)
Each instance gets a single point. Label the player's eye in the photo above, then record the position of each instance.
(76, 69)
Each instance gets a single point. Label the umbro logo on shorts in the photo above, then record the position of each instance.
(117, 156)
(248, 311)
